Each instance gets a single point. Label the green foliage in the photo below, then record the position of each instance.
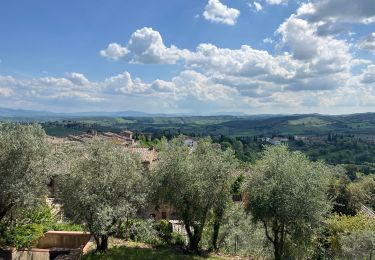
(164, 229)
(150, 232)
(339, 149)
(144, 231)
(308, 121)
(143, 142)
(239, 235)
(105, 186)
(287, 194)
(177, 239)
(358, 245)
(194, 182)
(346, 143)
(364, 190)
(237, 186)
(345, 201)
(138, 251)
(23, 235)
(32, 225)
(42, 215)
(23, 166)
(348, 235)
(64, 226)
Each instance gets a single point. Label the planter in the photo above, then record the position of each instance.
(53, 245)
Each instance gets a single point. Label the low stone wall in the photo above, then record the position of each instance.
(53, 245)
(63, 239)
(11, 253)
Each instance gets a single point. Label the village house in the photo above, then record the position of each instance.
(148, 155)
(300, 138)
(275, 140)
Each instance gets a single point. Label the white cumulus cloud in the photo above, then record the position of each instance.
(114, 51)
(276, 2)
(147, 46)
(217, 12)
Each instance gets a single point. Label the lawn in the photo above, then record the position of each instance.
(137, 251)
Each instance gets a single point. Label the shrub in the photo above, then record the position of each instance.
(43, 216)
(33, 224)
(24, 235)
(177, 239)
(165, 230)
(358, 245)
(144, 231)
(65, 226)
(342, 230)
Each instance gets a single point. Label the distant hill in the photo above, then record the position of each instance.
(229, 125)
(7, 112)
(36, 114)
(21, 113)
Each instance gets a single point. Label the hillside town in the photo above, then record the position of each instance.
(163, 206)
(187, 130)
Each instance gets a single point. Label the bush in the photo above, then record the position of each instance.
(44, 217)
(165, 230)
(65, 226)
(23, 236)
(147, 231)
(177, 239)
(358, 245)
(144, 231)
(342, 232)
(33, 224)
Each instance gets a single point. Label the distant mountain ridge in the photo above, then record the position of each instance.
(23, 113)
(39, 114)
(8, 112)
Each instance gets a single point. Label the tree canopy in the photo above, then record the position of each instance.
(194, 182)
(23, 166)
(287, 193)
(104, 186)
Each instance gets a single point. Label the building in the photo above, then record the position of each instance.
(148, 155)
(127, 134)
(275, 140)
(300, 138)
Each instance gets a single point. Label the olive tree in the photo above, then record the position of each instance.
(287, 194)
(24, 152)
(194, 182)
(105, 185)
(364, 190)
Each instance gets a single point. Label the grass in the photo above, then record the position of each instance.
(136, 251)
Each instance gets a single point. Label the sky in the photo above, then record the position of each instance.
(188, 56)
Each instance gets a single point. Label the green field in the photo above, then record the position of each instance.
(356, 124)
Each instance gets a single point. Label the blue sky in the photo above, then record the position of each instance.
(201, 56)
